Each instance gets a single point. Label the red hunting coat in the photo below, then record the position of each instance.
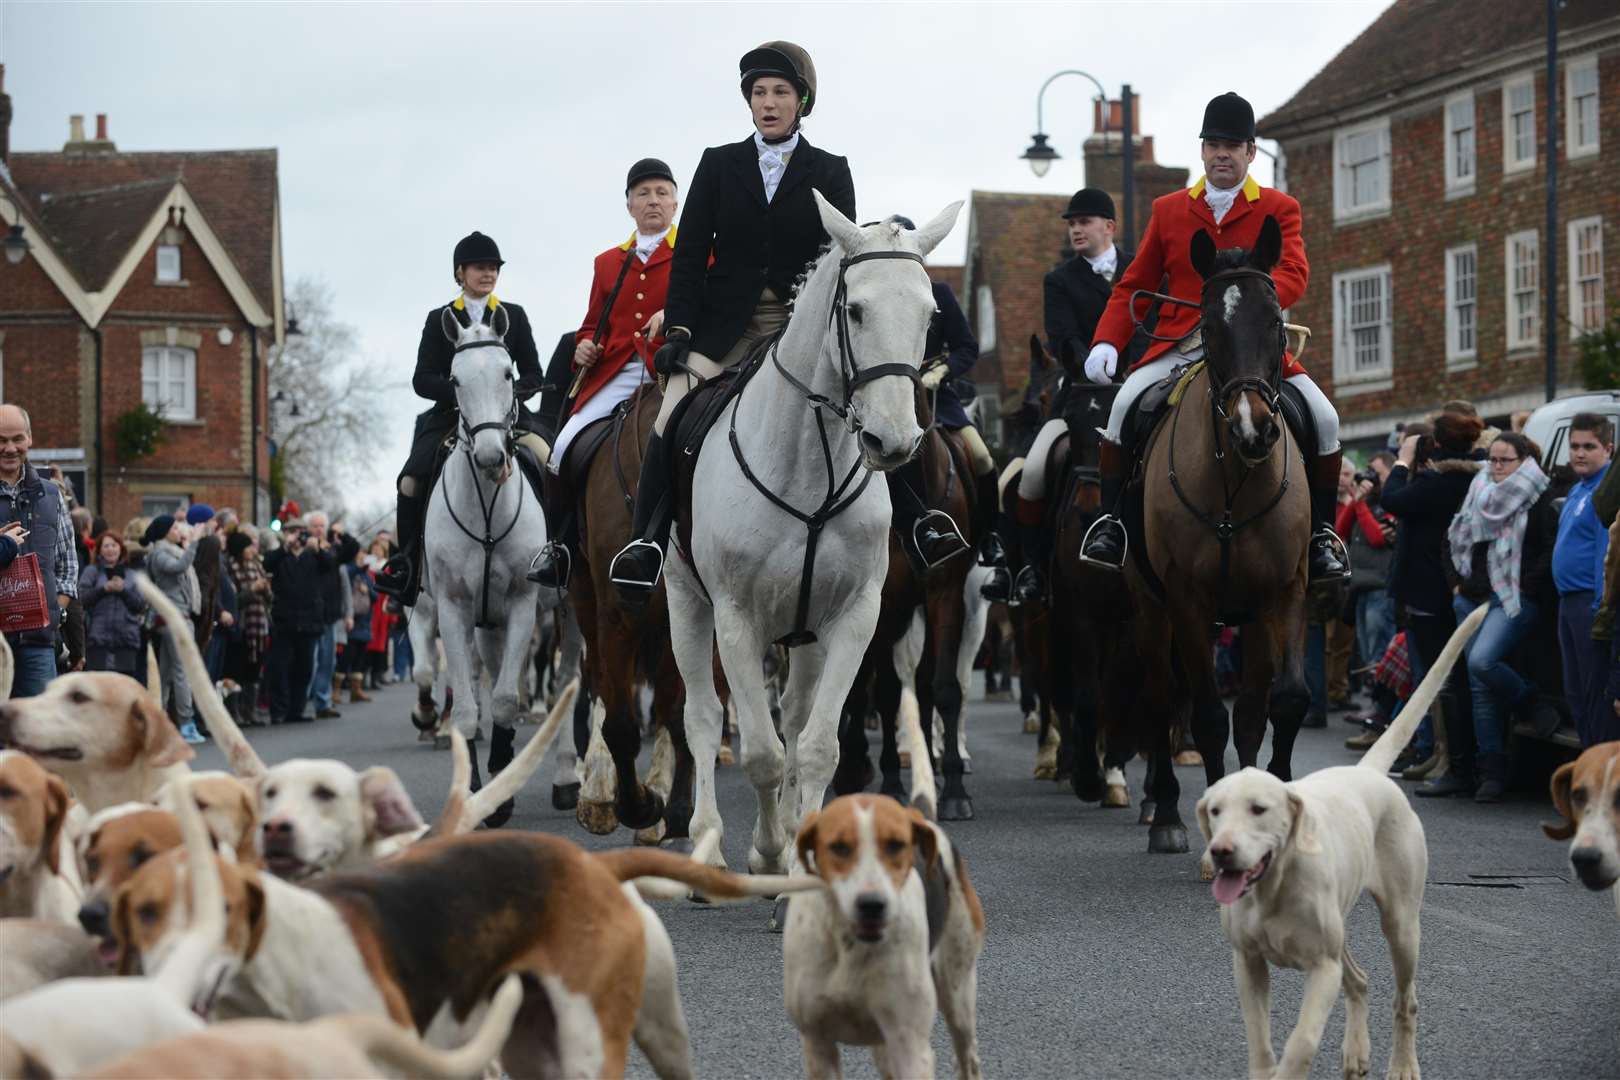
(1166, 248)
(642, 294)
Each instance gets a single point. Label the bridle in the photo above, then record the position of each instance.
(469, 431)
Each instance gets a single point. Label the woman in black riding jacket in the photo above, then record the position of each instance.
(749, 206)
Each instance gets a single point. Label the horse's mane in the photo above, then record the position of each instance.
(808, 272)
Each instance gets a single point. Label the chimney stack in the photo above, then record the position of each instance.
(101, 127)
(78, 144)
(75, 129)
(5, 118)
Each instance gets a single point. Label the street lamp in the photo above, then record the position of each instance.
(1040, 155)
(16, 244)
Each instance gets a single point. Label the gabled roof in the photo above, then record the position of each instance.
(1418, 41)
(234, 189)
(92, 230)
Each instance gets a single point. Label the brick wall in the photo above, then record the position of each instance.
(1424, 223)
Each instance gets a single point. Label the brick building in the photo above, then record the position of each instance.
(1418, 156)
(151, 277)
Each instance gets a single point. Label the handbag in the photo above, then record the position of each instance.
(23, 603)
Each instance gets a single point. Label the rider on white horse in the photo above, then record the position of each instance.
(477, 265)
(614, 345)
(751, 205)
(1230, 207)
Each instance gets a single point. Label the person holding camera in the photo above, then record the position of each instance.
(297, 570)
(171, 562)
(114, 611)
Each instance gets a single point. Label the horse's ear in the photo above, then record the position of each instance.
(1267, 251)
(1038, 356)
(448, 323)
(844, 232)
(929, 236)
(1203, 254)
(501, 322)
(1071, 365)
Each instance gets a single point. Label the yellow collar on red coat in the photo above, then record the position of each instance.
(1251, 188)
(630, 243)
(460, 302)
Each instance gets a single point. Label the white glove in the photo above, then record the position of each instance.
(1101, 363)
(934, 376)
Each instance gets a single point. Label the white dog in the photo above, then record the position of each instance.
(1291, 859)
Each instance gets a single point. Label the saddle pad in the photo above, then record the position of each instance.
(1298, 416)
(1144, 413)
(689, 425)
(576, 464)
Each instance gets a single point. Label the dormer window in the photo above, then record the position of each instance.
(168, 264)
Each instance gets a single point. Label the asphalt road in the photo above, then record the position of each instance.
(1104, 961)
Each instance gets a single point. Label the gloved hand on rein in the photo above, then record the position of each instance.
(671, 355)
(934, 376)
(1101, 363)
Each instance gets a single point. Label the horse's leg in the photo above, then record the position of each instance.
(845, 642)
(854, 772)
(565, 782)
(1257, 671)
(1086, 780)
(1210, 725)
(973, 628)
(1290, 697)
(797, 700)
(763, 757)
(423, 630)
(691, 640)
(668, 705)
(1160, 711)
(946, 614)
(599, 792)
(888, 684)
(1060, 689)
(636, 806)
(1028, 702)
(456, 632)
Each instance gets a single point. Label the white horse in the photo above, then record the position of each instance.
(836, 399)
(483, 527)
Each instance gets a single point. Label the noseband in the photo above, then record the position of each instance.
(470, 431)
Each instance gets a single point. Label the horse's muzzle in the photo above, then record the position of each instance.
(883, 456)
(1254, 437)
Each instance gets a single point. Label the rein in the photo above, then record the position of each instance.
(489, 541)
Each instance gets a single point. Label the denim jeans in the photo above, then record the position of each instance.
(403, 659)
(1375, 624)
(35, 666)
(1586, 668)
(1493, 685)
(320, 687)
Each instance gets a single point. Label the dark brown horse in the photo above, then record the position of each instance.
(623, 647)
(940, 595)
(1225, 527)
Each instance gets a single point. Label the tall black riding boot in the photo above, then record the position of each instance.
(1105, 542)
(999, 589)
(554, 565)
(986, 509)
(929, 536)
(637, 568)
(500, 756)
(1036, 544)
(401, 575)
(1329, 559)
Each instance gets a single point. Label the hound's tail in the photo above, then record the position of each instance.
(403, 1052)
(448, 823)
(182, 974)
(244, 760)
(510, 780)
(1395, 737)
(663, 875)
(924, 796)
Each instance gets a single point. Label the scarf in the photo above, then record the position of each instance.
(1497, 514)
(252, 611)
(773, 159)
(1106, 263)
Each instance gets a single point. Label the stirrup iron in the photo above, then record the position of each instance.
(1124, 552)
(1341, 551)
(557, 552)
(634, 583)
(946, 524)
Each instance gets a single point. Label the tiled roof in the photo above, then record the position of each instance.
(1418, 40)
(236, 190)
(93, 230)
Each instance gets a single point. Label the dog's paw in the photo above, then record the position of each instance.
(1404, 1070)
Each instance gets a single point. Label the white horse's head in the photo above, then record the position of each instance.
(482, 374)
(888, 303)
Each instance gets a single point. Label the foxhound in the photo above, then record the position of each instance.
(36, 882)
(1587, 793)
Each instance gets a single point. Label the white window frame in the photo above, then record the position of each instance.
(1576, 326)
(1510, 163)
(1573, 146)
(1516, 340)
(168, 259)
(186, 408)
(1455, 183)
(1344, 370)
(1343, 208)
(1456, 355)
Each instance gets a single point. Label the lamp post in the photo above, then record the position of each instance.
(16, 244)
(1040, 154)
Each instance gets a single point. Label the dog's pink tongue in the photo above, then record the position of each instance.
(1228, 886)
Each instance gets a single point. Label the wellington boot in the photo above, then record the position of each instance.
(357, 690)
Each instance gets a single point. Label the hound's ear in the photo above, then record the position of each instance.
(1203, 254)
(1302, 829)
(389, 810)
(929, 236)
(450, 324)
(1561, 782)
(924, 838)
(500, 322)
(1203, 820)
(56, 812)
(123, 934)
(156, 735)
(806, 844)
(844, 232)
(256, 922)
(1267, 251)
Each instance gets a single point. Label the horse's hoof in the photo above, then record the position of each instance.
(725, 756)
(678, 845)
(651, 815)
(564, 796)
(778, 921)
(1187, 759)
(894, 789)
(650, 837)
(1045, 770)
(501, 814)
(1032, 724)
(1167, 840)
(956, 808)
(853, 776)
(1088, 787)
(1148, 810)
(425, 735)
(1063, 773)
(596, 817)
(967, 765)
(441, 742)
(998, 695)
(1116, 797)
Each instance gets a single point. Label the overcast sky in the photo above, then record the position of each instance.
(403, 127)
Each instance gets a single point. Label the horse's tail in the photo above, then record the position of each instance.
(506, 783)
(244, 760)
(663, 875)
(1395, 737)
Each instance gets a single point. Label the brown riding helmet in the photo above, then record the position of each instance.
(785, 60)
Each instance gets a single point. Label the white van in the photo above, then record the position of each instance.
(1549, 425)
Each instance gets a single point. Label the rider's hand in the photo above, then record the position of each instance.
(671, 356)
(934, 376)
(654, 327)
(1101, 363)
(586, 353)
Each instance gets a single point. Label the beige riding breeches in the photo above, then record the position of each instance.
(978, 453)
(770, 315)
(1032, 481)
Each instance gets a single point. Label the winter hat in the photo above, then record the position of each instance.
(158, 530)
(199, 513)
(238, 542)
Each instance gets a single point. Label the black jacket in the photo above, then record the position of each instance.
(295, 589)
(1075, 298)
(433, 356)
(950, 335)
(333, 581)
(755, 244)
(1424, 504)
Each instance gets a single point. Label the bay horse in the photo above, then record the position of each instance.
(939, 592)
(1225, 530)
(786, 540)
